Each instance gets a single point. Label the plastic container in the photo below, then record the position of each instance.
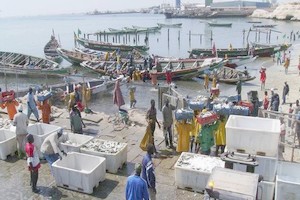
(75, 141)
(79, 172)
(44, 96)
(287, 185)
(267, 167)
(183, 114)
(114, 161)
(253, 135)
(8, 143)
(40, 131)
(265, 190)
(197, 105)
(7, 96)
(194, 179)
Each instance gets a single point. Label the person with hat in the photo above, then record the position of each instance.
(136, 187)
(31, 104)
(21, 122)
(50, 148)
(11, 107)
(33, 162)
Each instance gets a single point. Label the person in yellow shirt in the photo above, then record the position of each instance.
(132, 97)
(214, 82)
(183, 131)
(206, 82)
(196, 127)
(220, 135)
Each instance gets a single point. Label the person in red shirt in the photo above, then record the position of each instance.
(263, 78)
(169, 77)
(33, 162)
(266, 101)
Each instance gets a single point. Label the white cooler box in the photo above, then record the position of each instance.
(75, 141)
(40, 131)
(265, 190)
(193, 170)
(114, 152)
(80, 172)
(287, 185)
(8, 143)
(253, 135)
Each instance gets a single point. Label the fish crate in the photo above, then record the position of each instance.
(197, 105)
(207, 118)
(267, 166)
(183, 114)
(247, 104)
(193, 170)
(265, 190)
(253, 135)
(40, 131)
(80, 172)
(75, 141)
(215, 91)
(287, 184)
(8, 143)
(114, 152)
(7, 96)
(44, 96)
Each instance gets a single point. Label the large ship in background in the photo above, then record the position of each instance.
(214, 10)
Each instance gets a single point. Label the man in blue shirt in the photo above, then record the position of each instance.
(31, 104)
(148, 171)
(136, 187)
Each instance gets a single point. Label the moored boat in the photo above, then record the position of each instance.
(104, 46)
(50, 50)
(103, 67)
(219, 24)
(17, 63)
(76, 57)
(178, 25)
(264, 26)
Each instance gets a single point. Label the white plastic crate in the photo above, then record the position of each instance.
(265, 190)
(114, 161)
(253, 134)
(287, 185)
(40, 131)
(8, 143)
(80, 172)
(189, 177)
(75, 141)
(267, 167)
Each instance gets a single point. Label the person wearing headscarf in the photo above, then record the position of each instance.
(21, 122)
(45, 107)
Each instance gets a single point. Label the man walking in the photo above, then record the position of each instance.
(285, 92)
(239, 89)
(21, 122)
(168, 121)
(148, 171)
(136, 187)
(31, 104)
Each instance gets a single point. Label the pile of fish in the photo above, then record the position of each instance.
(5, 123)
(71, 143)
(103, 146)
(199, 162)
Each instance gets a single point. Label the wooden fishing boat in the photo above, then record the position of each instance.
(219, 24)
(229, 76)
(17, 63)
(254, 22)
(103, 67)
(76, 57)
(50, 50)
(265, 26)
(178, 25)
(186, 69)
(104, 46)
(234, 62)
(255, 51)
(147, 29)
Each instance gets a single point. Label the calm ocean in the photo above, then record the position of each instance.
(28, 35)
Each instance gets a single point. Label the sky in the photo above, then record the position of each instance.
(50, 7)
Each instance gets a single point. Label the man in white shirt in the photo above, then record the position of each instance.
(51, 147)
(21, 122)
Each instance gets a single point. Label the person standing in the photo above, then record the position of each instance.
(299, 66)
(148, 171)
(168, 122)
(152, 120)
(206, 82)
(263, 77)
(132, 97)
(33, 162)
(169, 77)
(239, 89)
(11, 108)
(31, 104)
(136, 187)
(183, 131)
(285, 92)
(266, 101)
(220, 135)
(50, 148)
(278, 58)
(76, 120)
(45, 107)
(21, 122)
(118, 97)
